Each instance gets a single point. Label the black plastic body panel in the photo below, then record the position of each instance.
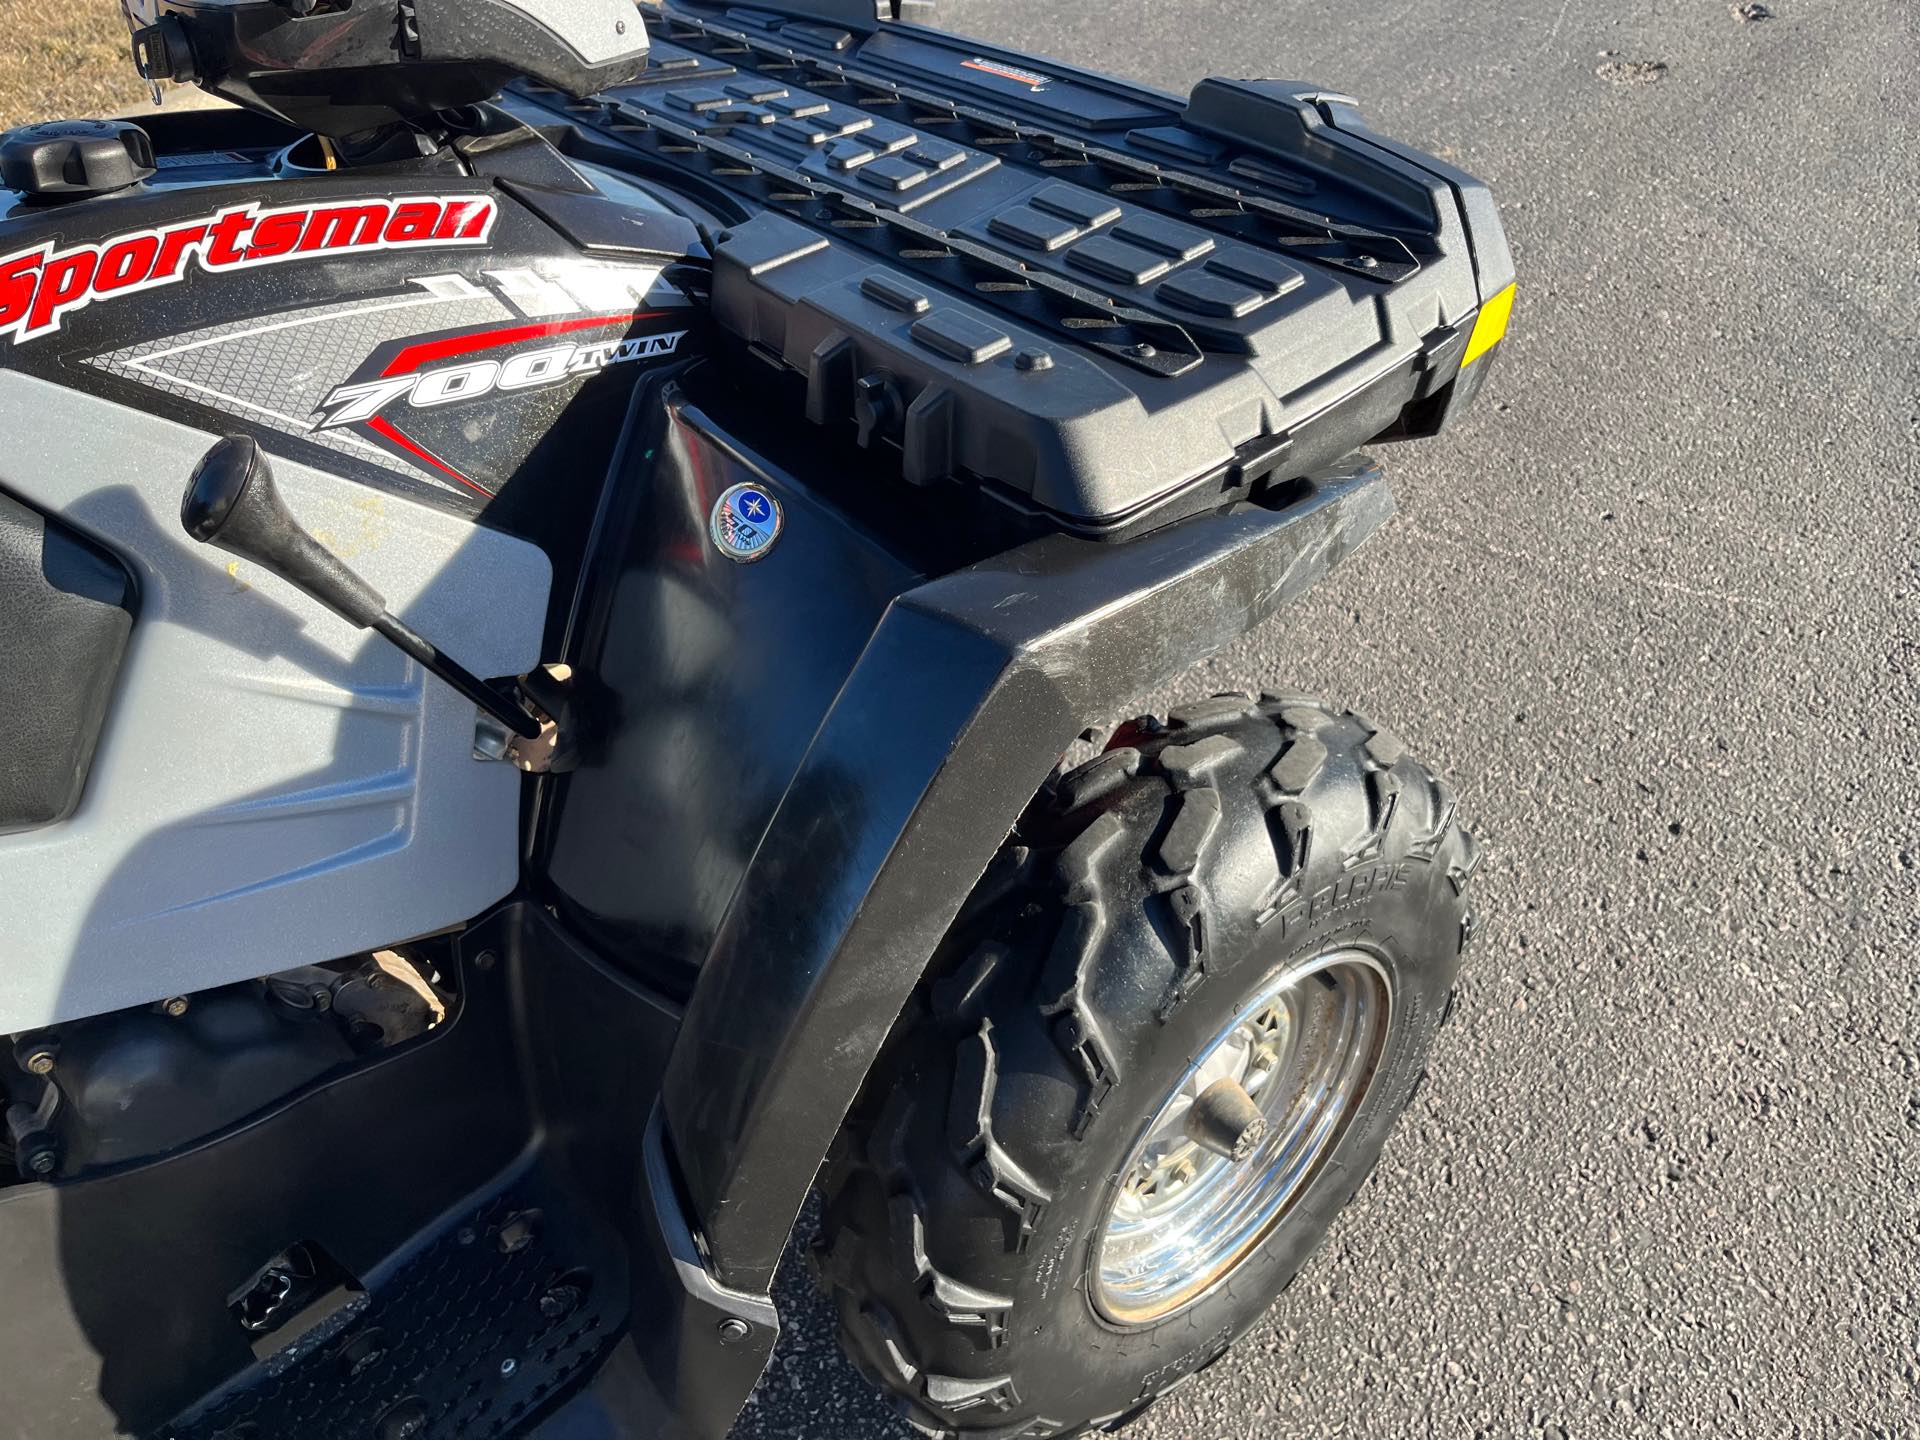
(718, 674)
(66, 610)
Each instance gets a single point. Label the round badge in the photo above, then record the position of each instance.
(746, 522)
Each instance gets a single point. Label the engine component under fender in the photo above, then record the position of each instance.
(144, 1082)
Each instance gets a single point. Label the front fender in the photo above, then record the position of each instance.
(968, 692)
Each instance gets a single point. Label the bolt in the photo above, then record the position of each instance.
(404, 1421)
(40, 1061)
(42, 1162)
(518, 1232)
(507, 1367)
(1369, 262)
(733, 1330)
(466, 1236)
(363, 1353)
(619, 27)
(322, 998)
(486, 960)
(560, 1302)
(1144, 350)
(175, 1005)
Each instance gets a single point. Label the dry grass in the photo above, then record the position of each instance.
(64, 60)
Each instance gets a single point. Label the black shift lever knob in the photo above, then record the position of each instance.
(232, 502)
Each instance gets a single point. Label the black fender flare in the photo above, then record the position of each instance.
(969, 692)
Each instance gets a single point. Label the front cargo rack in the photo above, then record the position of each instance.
(1080, 296)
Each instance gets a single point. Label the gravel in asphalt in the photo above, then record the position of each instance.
(1652, 610)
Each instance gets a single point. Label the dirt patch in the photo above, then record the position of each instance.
(1631, 72)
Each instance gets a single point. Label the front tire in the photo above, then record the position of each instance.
(1248, 877)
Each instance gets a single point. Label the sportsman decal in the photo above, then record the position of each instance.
(39, 288)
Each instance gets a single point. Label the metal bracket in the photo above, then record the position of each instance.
(546, 694)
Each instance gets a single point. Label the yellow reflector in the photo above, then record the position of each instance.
(1491, 325)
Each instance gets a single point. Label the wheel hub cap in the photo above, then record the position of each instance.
(1245, 1129)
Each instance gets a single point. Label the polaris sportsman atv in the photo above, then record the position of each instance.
(612, 736)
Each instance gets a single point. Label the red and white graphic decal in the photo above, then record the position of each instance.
(40, 288)
(434, 372)
(529, 370)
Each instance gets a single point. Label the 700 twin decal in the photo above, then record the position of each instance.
(530, 370)
(40, 287)
(423, 374)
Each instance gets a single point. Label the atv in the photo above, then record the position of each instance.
(566, 573)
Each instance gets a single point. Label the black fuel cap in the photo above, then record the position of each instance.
(71, 159)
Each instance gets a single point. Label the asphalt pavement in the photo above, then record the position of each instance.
(1652, 610)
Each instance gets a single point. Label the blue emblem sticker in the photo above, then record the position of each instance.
(746, 522)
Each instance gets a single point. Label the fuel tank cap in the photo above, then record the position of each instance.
(72, 159)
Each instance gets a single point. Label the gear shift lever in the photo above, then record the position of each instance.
(232, 502)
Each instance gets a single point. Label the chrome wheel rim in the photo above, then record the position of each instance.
(1304, 1049)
